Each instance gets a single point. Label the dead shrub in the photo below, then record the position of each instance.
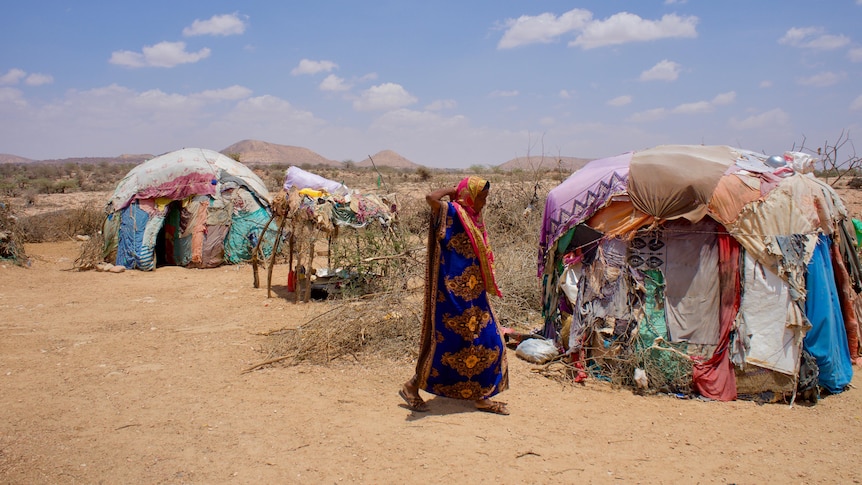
(61, 225)
(11, 242)
(388, 323)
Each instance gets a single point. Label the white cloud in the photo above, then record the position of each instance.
(544, 28)
(334, 83)
(227, 24)
(110, 120)
(823, 79)
(12, 96)
(564, 94)
(503, 94)
(678, 2)
(226, 94)
(442, 104)
(624, 27)
(693, 108)
(163, 54)
(36, 79)
(665, 70)
(696, 107)
(307, 66)
(770, 119)
(724, 98)
(620, 28)
(855, 54)
(620, 100)
(765, 84)
(705, 106)
(384, 97)
(14, 76)
(813, 38)
(856, 105)
(648, 115)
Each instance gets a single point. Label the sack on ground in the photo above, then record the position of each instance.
(537, 350)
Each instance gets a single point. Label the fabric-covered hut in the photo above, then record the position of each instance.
(191, 207)
(731, 269)
(311, 208)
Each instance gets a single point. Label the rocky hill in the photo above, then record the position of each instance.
(568, 164)
(388, 158)
(6, 158)
(261, 152)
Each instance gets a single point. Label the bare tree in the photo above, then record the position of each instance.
(845, 164)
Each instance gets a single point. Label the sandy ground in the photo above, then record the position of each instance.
(137, 378)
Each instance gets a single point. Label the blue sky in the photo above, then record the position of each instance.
(443, 83)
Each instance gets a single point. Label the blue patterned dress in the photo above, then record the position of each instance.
(462, 354)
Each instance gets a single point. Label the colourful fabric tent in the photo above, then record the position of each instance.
(707, 254)
(191, 207)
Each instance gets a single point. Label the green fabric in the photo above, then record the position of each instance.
(857, 224)
(565, 240)
(238, 245)
(652, 326)
(110, 231)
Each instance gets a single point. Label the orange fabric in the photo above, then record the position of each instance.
(731, 195)
(619, 218)
(199, 229)
(468, 189)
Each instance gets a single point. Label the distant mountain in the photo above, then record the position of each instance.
(388, 158)
(126, 158)
(568, 164)
(6, 158)
(261, 152)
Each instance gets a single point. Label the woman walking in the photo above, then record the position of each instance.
(461, 353)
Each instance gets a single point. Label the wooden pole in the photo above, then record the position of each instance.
(307, 296)
(272, 258)
(257, 249)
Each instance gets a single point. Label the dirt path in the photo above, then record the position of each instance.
(137, 378)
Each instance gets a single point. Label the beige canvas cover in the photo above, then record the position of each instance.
(677, 181)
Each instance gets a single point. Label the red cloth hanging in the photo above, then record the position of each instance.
(715, 378)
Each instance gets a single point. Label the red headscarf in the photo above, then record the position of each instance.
(468, 189)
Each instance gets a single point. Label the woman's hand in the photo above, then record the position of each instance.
(433, 199)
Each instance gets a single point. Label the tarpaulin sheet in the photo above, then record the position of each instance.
(299, 178)
(827, 339)
(182, 173)
(244, 234)
(133, 220)
(677, 181)
(764, 309)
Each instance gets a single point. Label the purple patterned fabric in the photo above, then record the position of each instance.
(580, 196)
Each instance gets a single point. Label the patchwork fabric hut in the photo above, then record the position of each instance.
(191, 207)
(311, 208)
(707, 269)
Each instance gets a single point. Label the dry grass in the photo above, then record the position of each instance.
(11, 239)
(62, 224)
(387, 322)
